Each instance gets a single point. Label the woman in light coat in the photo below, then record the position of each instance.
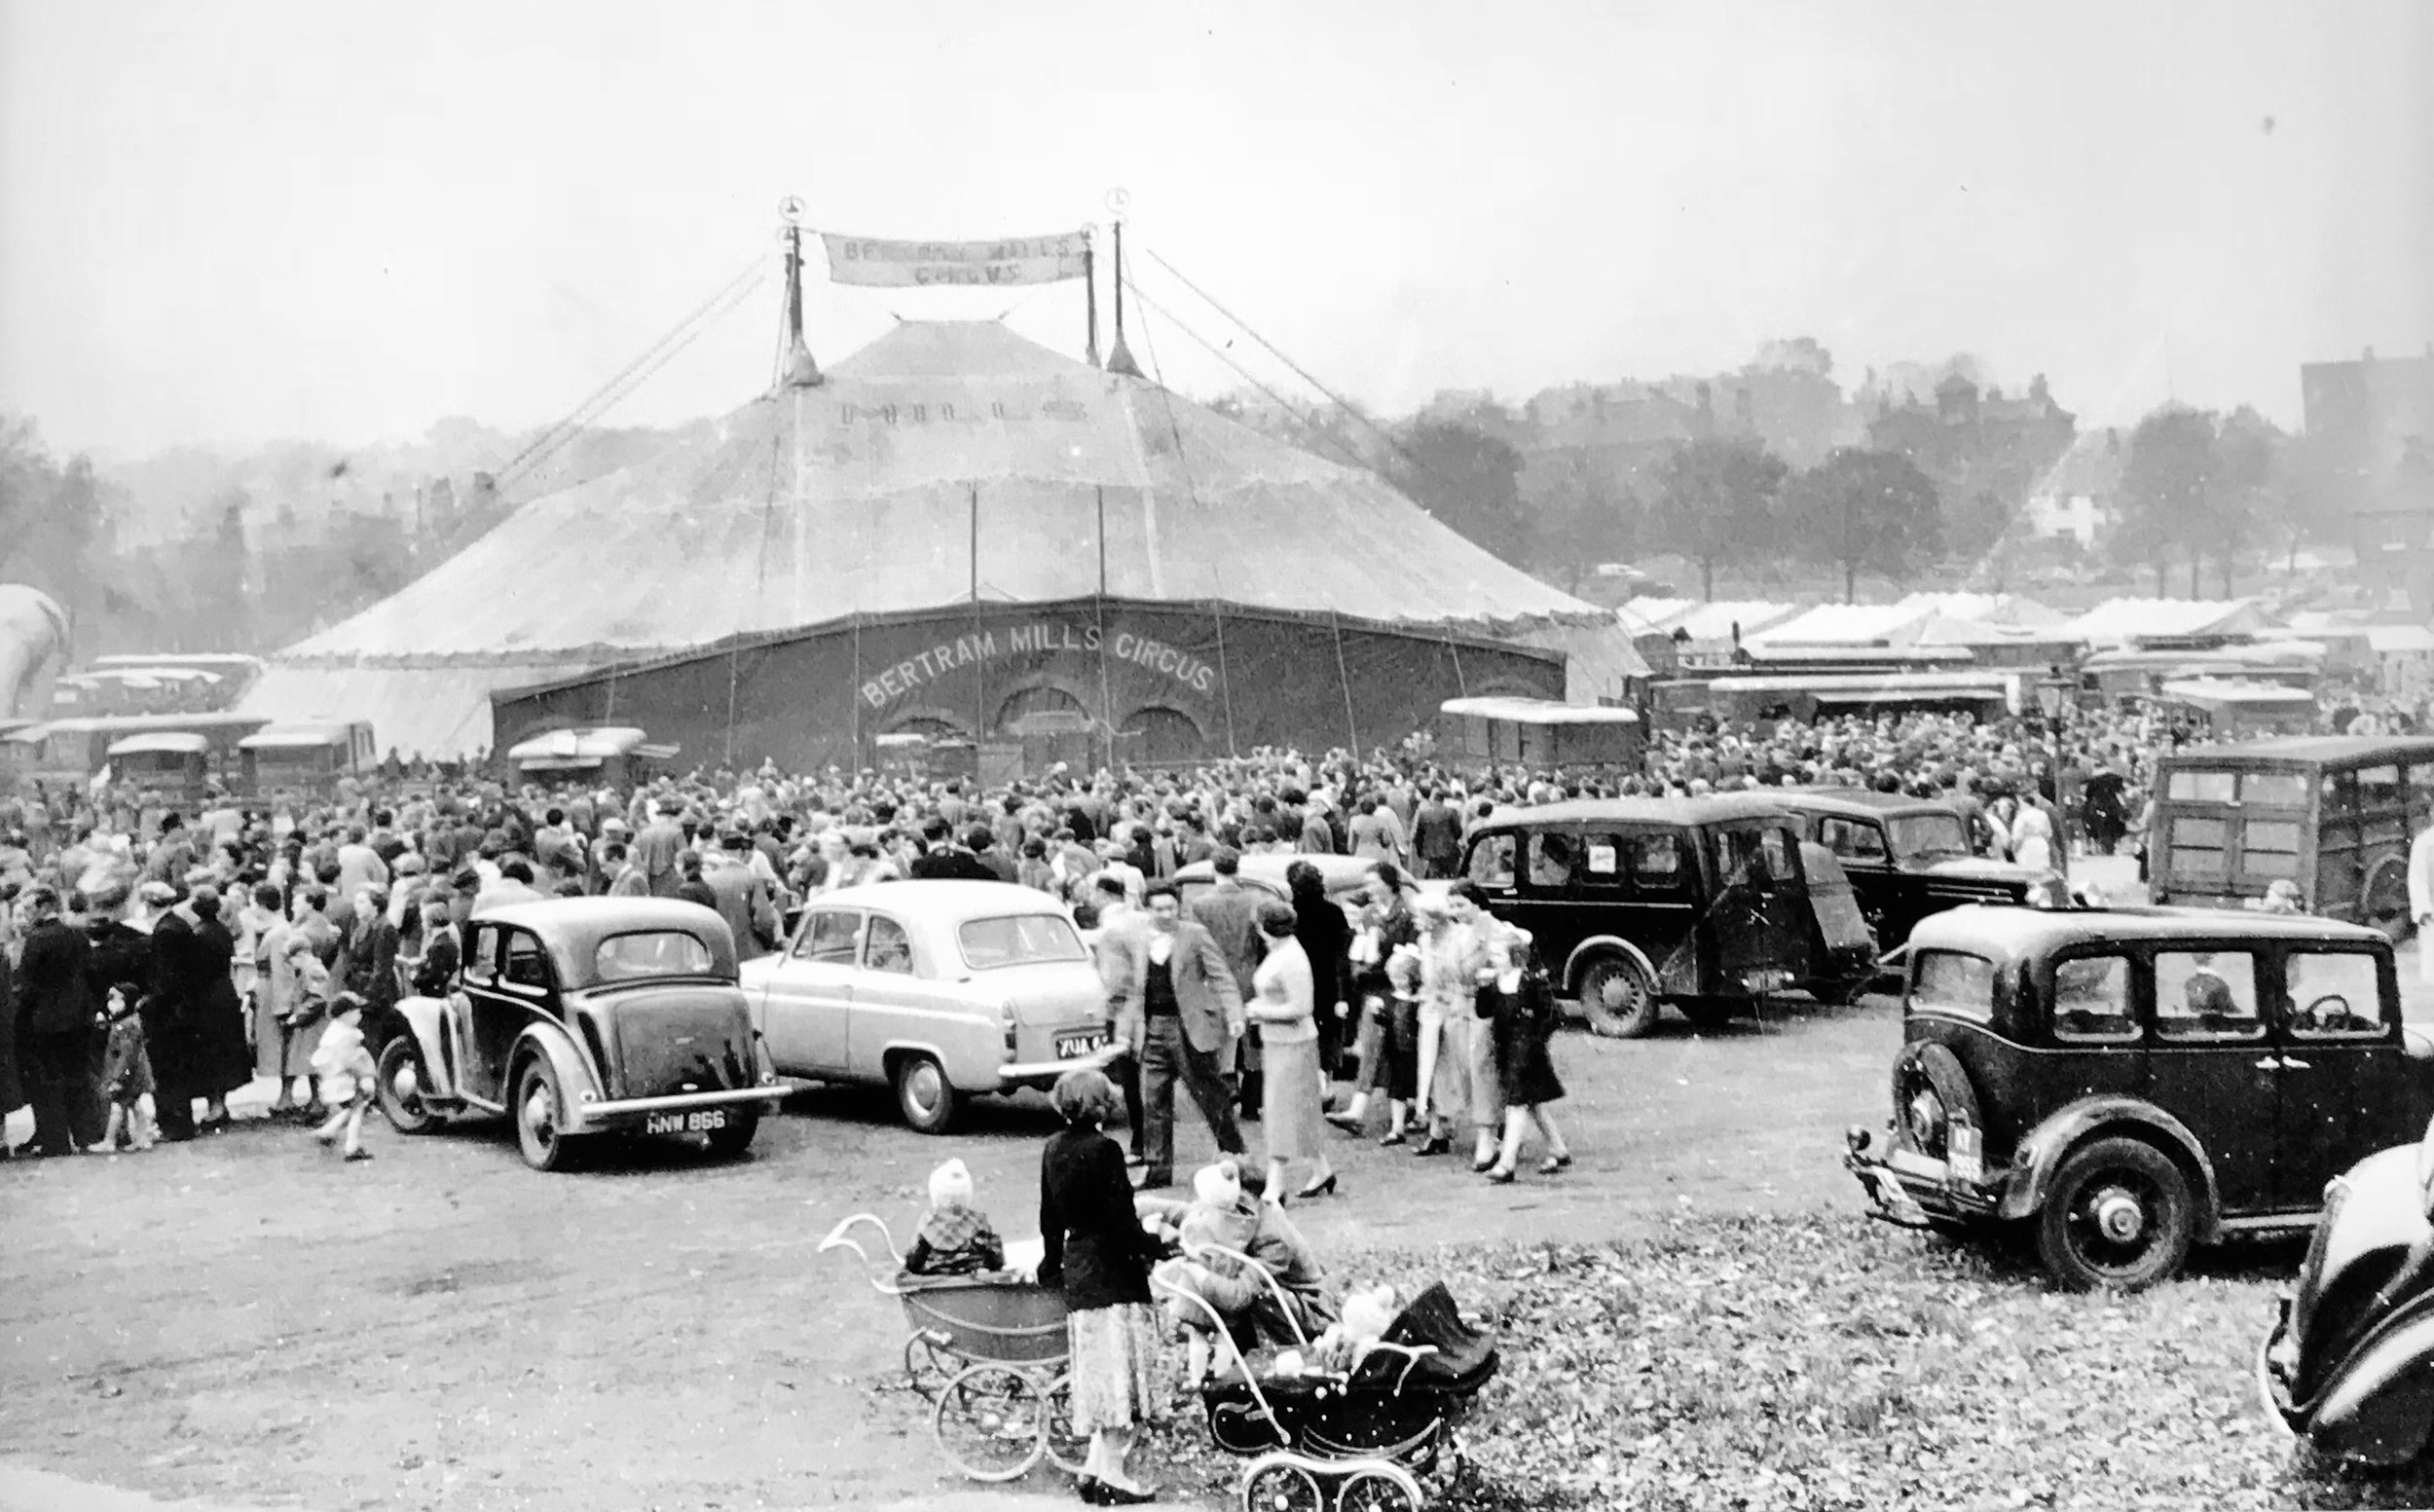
(1283, 1004)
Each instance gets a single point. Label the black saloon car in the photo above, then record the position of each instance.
(2126, 1083)
(1907, 857)
(581, 1017)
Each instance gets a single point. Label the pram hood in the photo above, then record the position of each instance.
(1465, 1357)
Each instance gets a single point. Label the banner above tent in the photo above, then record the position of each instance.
(998, 264)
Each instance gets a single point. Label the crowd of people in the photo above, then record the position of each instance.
(166, 958)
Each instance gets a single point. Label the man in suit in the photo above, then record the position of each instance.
(1191, 1019)
(1437, 837)
(54, 1009)
(1229, 913)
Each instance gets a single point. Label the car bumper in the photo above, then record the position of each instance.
(2272, 1394)
(1044, 1072)
(634, 1110)
(1916, 1191)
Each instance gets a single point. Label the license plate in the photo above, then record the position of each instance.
(1968, 1161)
(1071, 1046)
(701, 1123)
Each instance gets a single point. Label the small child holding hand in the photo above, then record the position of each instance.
(955, 1238)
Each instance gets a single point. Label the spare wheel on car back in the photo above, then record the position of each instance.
(1930, 1094)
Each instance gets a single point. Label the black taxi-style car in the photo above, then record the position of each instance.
(2126, 1083)
(579, 1016)
(1708, 904)
(1907, 857)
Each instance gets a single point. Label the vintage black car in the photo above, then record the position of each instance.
(2126, 1083)
(1908, 858)
(580, 1016)
(1707, 903)
(2345, 1363)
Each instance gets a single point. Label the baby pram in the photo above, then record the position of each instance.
(989, 1350)
(1359, 1440)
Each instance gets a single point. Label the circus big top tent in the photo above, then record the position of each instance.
(953, 529)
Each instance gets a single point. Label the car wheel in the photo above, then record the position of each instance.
(1930, 1094)
(923, 1094)
(732, 1138)
(2386, 906)
(399, 1084)
(540, 1118)
(1619, 997)
(2120, 1215)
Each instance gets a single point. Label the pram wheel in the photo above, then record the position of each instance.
(1067, 1449)
(1381, 1489)
(931, 1361)
(1281, 1485)
(991, 1422)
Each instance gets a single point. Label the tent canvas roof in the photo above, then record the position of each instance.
(943, 458)
(862, 496)
(2119, 621)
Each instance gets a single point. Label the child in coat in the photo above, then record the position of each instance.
(955, 1238)
(346, 1071)
(127, 1078)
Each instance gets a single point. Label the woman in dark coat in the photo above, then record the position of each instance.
(224, 1062)
(1521, 1002)
(1095, 1251)
(1326, 937)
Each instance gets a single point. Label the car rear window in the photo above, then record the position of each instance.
(1955, 982)
(649, 954)
(1018, 939)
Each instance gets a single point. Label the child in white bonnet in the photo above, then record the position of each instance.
(955, 1238)
(346, 1068)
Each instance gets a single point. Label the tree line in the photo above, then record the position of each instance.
(2194, 489)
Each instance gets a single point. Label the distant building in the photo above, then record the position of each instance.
(1981, 449)
(2081, 494)
(2363, 416)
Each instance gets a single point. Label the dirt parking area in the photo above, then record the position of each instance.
(248, 1320)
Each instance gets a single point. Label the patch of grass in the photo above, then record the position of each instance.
(1829, 1362)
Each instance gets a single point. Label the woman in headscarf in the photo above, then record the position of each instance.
(1523, 1008)
(1094, 1252)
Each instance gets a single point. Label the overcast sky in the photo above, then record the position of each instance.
(232, 222)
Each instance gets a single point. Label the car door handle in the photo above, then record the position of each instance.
(2294, 1063)
(2269, 1063)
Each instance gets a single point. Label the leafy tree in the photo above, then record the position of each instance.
(1471, 481)
(2250, 471)
(1717, 497)
(1860, 508)
(2167, 488)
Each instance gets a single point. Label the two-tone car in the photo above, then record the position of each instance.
(939, 990)
(583, 1016)
(1908, 858)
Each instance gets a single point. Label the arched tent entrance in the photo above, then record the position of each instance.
(1159, 736)
(1052, 726)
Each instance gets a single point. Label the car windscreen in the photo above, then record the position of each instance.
(1955, 982)
(1018, 939)
(1926, 836)
(650, 953)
